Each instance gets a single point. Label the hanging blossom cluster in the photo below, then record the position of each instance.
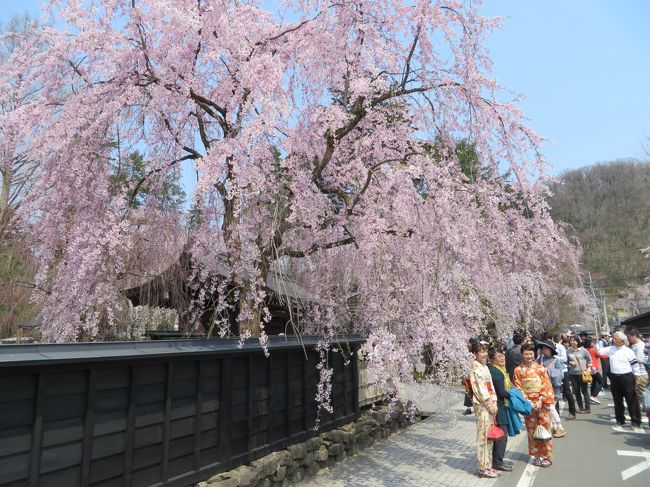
(329, 142)
(145, 318)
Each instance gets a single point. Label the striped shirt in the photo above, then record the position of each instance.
(639, 351)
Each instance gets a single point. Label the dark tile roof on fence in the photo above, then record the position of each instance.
(24, 355)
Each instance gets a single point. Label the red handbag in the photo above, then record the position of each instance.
(495, 433)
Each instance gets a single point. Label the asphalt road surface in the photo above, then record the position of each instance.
(595, 452)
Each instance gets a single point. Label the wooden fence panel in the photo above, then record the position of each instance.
(142, 414)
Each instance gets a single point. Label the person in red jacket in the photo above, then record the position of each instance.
(596, 371)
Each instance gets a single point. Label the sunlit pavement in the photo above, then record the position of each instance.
(439, 451)
(595, 452)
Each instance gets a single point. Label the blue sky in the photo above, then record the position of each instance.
(583, 65)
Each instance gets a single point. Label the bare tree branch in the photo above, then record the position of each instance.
(407, 67)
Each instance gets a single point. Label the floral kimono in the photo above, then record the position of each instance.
(535, 384)
(483, 389)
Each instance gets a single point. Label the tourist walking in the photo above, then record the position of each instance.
(641, 374)
(579, 363)
(533, 381)
(502, 384)
(596, 374)
(549, 359)
(485, 407)
(622, 365)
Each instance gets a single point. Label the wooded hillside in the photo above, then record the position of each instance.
(608, 206)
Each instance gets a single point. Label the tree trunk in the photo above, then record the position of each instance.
(247, 302)
(5, 190)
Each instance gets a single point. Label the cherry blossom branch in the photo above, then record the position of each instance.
(316, 248)
(208, 105)
(371, 171)
(407, 67)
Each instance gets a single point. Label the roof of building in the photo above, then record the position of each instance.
(25, 355)
(641, 322)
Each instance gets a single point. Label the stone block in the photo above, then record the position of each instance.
(380, 417)
(297, 451)
(308, 459)
(280, 473)
(303, 460)
(292, 467)
(223, 481)
(267, 465)
(313, 443)
(370, 422)
(296, 476)
(284, 457)
(247, 475)
(336, 449)
(321, 454)
(337, 436)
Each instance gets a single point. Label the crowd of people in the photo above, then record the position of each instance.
(528, 378)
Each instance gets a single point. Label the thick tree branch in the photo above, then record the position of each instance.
(316, 247)
(202, 131)
(371, 172)
(216, 111)
(407, 67)
(360, 112)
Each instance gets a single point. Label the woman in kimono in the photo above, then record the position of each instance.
(501, 381)
(485, 407)
(533, 381)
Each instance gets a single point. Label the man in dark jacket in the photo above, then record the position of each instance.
(513, 354)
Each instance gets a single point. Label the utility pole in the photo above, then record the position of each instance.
(593, 295)
(604, 299)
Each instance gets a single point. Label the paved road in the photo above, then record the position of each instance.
(594, 453)
(437, 452)
(440, 452)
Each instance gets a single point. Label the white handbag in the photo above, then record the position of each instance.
(542, 433)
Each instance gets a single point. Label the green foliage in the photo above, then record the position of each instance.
(195, 217)
(474, 170)
(16, 271)
(131, 178)
(608, 207)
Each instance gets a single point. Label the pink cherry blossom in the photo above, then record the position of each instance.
(323, 141)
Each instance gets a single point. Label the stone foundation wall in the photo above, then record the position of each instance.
(302, 460)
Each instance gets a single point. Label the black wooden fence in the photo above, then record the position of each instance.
(159, 413)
